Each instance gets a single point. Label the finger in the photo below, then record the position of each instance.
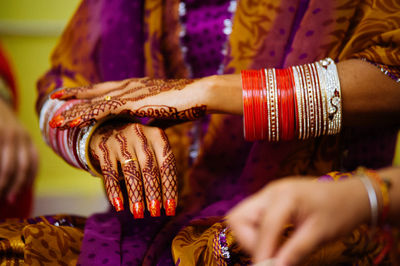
(275, 218)
(90, 111)
(132, 176)
(245, 223)
(7, 162)
(91, 91)
(305, 240)
(21, 168)
(109, 169)
(168, 172)
(150, 172)
(75, 109)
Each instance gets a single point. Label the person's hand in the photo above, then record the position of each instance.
(177, 100)
(18, 155)
(319, 211)
(173, 99)
(142, 156)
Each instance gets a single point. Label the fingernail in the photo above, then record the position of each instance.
(117, 202)
(170, 207)
(56, 121)
(138, 210)
(75, 122)
(57, 94)
(155, 208)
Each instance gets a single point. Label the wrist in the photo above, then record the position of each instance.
(223, 94)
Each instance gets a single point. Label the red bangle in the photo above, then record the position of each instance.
(256, 107)
(286, 103)
(287, 106)
(263, 124)
(248, 118)
(265, 103)
(292, 105)
(257, 104)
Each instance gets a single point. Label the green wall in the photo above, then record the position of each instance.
(29, 30)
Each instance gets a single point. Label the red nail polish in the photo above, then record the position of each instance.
(138, 211)
(75, 122)
(57, 94)
(56, 121)
(117, 202)
(170, 207)
(155, 208)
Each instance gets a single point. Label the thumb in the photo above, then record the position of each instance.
(303, 242)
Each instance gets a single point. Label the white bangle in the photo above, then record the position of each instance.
(373, 199)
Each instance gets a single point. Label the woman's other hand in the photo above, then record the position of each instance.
(142, 156)
(319, 211)
(18, 155)
(173, 99)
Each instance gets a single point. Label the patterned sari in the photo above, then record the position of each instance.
(113, 40)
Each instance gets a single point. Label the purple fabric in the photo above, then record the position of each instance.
(120, 52)
(204, 38)
(238, 169)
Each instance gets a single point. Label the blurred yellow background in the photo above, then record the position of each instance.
(29, 30)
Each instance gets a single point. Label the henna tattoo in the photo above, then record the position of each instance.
(167, 147)
(161, 85)
(192, 113)
(124, 145)
(150, 171)
(75, 90)
(129, 93)
(169, 173)
(153, 87)
(110, 175)
(167, 112)
(168, 170)
(82, 89)
(132, 175)
(89, 111)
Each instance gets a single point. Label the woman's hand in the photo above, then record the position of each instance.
(174, 99)
(319, 211)
(142, 156)
(18, 155)
(144, 97)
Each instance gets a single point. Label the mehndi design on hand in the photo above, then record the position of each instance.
(147, 163)
(135, 97)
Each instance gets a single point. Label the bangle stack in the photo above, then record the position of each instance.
(298, 102)
(70, 143)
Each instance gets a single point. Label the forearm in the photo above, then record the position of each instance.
(368, 96)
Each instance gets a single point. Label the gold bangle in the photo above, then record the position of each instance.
(92, 169)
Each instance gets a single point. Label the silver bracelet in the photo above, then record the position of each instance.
(333, 92)
(373, 199)
(82, 144)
